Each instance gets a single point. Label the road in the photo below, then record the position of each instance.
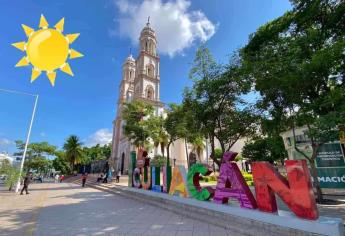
(67, 209)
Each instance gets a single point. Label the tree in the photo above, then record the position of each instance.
(157, 132)
(136, 128)
(269, 149)
(73, 150)
(97, 152)
(297, 64)
(61, 164)
(215, 102)
(39, 164)
(39, 149)
(175, 126)
(198, 146)
(11, 173)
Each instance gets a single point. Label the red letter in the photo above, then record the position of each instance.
(297, 192)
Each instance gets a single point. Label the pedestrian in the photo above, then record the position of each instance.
(62, 178)
(118, 175)
(105, 180)
(57, 176)
(100, 178)
(83, 179)
(27, 180)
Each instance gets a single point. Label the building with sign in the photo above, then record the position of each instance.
(330, 160)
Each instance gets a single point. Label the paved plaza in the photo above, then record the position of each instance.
(67, 209)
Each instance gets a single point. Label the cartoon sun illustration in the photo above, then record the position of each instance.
(47, 49)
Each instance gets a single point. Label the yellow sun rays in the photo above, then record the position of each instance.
(47, 49)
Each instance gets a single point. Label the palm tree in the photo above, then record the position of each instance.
(73, 149)
(198, 146)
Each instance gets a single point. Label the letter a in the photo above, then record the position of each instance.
(232, 184)
(297, 192)
(178, 182)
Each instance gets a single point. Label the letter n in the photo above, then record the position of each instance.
(296, 192)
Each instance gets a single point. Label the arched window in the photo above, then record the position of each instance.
(149, 92)
(150, 70)
(146, 46)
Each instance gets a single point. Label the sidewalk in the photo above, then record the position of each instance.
(55, 209)
(337, 211)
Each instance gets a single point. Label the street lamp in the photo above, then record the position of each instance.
(29, 131)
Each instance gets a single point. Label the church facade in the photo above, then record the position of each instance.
(140, 81)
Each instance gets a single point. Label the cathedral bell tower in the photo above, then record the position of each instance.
(146, 82)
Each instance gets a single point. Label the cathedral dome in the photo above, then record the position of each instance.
(130, 58)
(148, 31)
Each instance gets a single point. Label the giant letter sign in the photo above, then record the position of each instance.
(136, 178)
(193, 182)
(178, 182)
(297, 192)
(232, 184)
(155, 179)
(166, 178)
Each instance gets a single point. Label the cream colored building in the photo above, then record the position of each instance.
(141, 81)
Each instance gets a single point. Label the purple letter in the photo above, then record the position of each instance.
(232, 184)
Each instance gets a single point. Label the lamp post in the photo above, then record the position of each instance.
(29, 131)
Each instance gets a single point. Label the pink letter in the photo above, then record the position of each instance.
(232, 184)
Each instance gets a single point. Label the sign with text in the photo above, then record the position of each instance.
(330, 155)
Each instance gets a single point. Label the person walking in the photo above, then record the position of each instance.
(62, 178)
(105, 180)
(57, 177)
(83, 179)
(118, 175)
(27, 180)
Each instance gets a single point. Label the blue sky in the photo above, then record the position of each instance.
(85, 104)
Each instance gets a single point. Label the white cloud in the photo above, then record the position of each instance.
(4, 142)
(101, 136)
(176, 26)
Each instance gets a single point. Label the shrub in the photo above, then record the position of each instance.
(213, 178)
(158, 161)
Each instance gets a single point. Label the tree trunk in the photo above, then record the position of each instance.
(168, 154)
(185, 146)
(162, 149)
(213, 154)
(316, 183)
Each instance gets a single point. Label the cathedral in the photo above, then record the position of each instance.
(141, 81)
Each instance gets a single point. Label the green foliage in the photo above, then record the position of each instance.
(269, 149)
(156, 126)
(73, 151)
(40, 149)
(218, 154)
(61, 164)
(96, 153)
(215, 104)
(297, 64)
(158, 161)
(37, 164)
(136, 128)
(12, 174)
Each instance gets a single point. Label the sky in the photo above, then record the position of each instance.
(85, 104)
